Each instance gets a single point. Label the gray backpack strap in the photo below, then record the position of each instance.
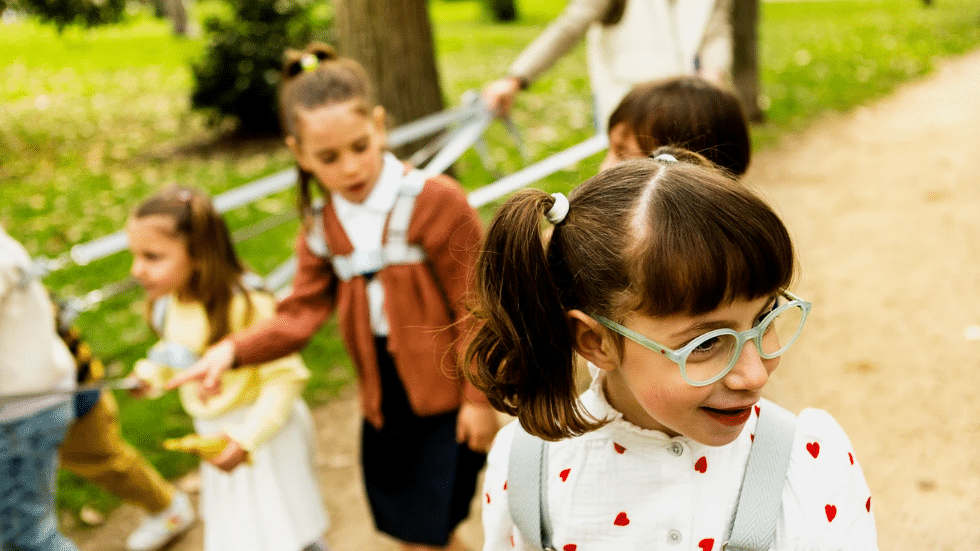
(754, 526)
(158, 313)
(527, 488)
(316, 238)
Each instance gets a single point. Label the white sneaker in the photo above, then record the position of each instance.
(158, 530)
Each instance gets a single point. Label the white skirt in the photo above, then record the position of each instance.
(274, 504)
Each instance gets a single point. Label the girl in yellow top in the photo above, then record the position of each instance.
(259, 493)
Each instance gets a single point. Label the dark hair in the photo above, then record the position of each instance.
(689, 113)
(656, 237)
(314, 77)
(218, 272)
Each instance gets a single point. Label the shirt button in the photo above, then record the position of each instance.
(676, 448)
(674, 537)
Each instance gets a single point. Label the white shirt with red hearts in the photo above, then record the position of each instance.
(622, 487)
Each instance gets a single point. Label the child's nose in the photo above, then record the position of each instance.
(750, 371)
(136, 269)
(350, 164)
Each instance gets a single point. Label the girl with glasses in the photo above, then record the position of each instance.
(671, 280)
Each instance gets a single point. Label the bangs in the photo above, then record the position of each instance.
(705, 243)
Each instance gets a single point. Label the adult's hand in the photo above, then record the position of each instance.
(216, 360)
(499, 95)
(476, 425)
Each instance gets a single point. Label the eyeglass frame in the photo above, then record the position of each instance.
(680, 355)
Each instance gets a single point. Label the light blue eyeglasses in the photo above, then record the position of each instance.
(711, 356)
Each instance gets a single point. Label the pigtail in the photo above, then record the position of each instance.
(523, 350)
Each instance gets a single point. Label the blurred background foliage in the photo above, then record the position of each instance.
(96, 118)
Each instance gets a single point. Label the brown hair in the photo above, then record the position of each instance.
(689, 113)
(314, 77)
(218, 272)
(651, 236)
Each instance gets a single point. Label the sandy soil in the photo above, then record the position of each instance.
(884, 207)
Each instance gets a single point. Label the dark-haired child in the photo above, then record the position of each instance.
(672, 280)
(260, 492)
(684, 112)
(391, 252)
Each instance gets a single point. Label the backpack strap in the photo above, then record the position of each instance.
(168, 353)
(528, 488)
(395, 251)
(754, 525)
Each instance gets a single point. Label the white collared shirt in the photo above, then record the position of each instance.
(622, 487)
(364, 224)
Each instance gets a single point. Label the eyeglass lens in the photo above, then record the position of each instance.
(712, 356)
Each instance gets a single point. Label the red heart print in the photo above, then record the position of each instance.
(868, 505)
(505, 485)
(569, 547)
(752, 437)
(488, 497)
(706, 544)
(621, 520)
(564, 474)
(813, 448)
(512, 544)
(757, 409)
(702, 465)
(851, 457)
(831, 512)
(619, 449)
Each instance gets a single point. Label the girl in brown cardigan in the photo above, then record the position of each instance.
(397, 283)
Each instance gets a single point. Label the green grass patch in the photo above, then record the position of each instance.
(95, 119)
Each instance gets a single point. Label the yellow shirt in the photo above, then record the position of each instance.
(271, 387)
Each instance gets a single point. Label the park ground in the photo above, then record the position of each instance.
(884, 206)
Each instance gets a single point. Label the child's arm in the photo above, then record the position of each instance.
(296, 319)
(281, 383)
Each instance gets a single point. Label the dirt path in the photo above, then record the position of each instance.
(884, 205)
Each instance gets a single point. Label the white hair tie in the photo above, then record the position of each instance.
(667, 157)
(559, 210)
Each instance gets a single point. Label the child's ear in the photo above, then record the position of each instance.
(293, 144)
(378, 118)
(592, 342)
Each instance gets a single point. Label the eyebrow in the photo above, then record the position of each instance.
(711, 325)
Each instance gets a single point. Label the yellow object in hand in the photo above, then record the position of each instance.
(205, 447)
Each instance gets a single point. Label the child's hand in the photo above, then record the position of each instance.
(232, 456)
(140, 388)
(216, 360)
(476, 425)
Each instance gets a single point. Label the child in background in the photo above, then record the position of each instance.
(33, 360)
(196, 287)
(392, 253)
(95, 450)
(684, 112)
(671, 279)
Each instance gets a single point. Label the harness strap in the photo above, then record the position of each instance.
(527, 488)
(395, 251)
(754, 526)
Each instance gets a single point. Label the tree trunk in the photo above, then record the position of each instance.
(177, 12)
(393, 40)
(745, 56)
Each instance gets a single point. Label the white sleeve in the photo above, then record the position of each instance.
(826, 502)
(499, 532)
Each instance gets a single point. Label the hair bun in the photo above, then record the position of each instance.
(296, 61)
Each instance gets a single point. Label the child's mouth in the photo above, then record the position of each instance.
(730, 417)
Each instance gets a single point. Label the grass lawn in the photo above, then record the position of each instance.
(94, 120)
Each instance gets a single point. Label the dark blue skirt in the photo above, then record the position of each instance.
(419, 480)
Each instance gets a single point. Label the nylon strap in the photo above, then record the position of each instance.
(527, 488)
(754, 525)
(395, 251)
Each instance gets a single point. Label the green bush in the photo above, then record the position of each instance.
(239, 72)
(63, 12)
